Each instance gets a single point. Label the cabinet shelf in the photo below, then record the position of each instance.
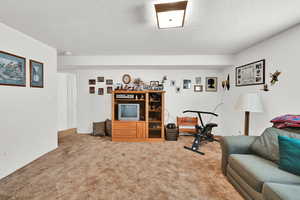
(117, 100)
(155, 121)
(155, 129)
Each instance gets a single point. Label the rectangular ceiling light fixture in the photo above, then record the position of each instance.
(170, 15)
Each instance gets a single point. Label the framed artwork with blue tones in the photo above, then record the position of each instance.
(12, 70)
(36, 74)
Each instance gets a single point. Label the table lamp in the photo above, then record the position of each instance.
(247, 103)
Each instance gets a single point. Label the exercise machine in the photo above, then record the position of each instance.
(204, 131)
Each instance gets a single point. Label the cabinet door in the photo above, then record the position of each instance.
(141, 129)
(124, 129)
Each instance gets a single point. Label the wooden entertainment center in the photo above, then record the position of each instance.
(150, 124)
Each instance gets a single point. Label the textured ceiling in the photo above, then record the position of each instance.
(117, 27)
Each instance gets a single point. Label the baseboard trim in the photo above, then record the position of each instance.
(68, 131)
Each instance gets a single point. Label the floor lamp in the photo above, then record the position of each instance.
(247, 103)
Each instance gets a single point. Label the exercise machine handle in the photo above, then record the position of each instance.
(200, 112)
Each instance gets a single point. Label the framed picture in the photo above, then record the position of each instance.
(109, 90)
(12, 70)
(92, 90)
(251, 74)
(198, 80)
(109, 82)
(187, 84)
(100, 79)
(100, 91)
(172, 83)
(92, 82)
(36, 74)
(198, 88)
(154, 83)
(211, 84)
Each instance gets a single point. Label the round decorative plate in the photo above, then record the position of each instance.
(126, 78)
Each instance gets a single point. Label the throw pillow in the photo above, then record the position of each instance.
(289, 151)
(266, 145)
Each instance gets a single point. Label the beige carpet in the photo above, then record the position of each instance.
(86, 167)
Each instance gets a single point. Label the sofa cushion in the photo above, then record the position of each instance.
(276, 191)
(256, 171)
(266, 145)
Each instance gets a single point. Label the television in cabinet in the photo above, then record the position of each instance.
(144, 124)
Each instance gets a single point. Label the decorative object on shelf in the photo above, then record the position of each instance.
(274, 77)
(109, 82)
(198, 88)
(36, 74)
(211, 84)
(178, 89)
(159, 87)
(100, 91)
(247, 103)
(226, 83)
(92, 82)
(138, 82)
(109, 90)
(198, 80)
(126, 79)
(12, 70)
(265, 88)
(172, 83)
(100, 79)
(154, 83)
(164, 79)
(187, 84)
(92, 90)
(251, 74)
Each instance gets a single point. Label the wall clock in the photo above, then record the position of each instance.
(126, 78)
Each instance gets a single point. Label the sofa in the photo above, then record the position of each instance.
(251, 165)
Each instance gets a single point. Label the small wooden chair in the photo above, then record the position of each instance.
(187, 124)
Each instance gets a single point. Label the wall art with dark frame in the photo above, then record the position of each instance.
(36, 74)
(12, 70)
(250, 74)
(211, 84)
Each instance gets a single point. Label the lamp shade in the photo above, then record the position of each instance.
(250, 102)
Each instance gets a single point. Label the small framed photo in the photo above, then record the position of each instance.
(36, 74)
(187, 84)
(211, 84)
(100, 79)
(109, 90)
(92, 82)
(109, 82)
(92, 90)
(198, 80)
(198, 88)
(172, 83)
(154, 83)
(100, 91)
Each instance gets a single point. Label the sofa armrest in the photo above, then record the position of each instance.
(234, 145)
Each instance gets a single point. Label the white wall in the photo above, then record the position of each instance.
(28, 115)
(281, 53)
(67, 97)
(98, 108)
